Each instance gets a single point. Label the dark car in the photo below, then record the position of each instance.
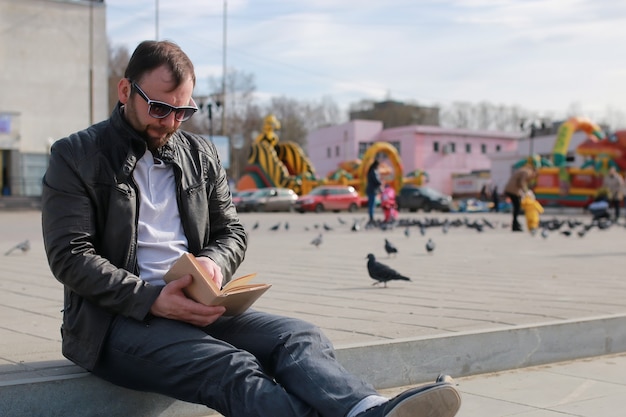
(269, 199)
(413, 198)
(331, 198)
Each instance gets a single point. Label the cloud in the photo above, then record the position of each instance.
(540, 54)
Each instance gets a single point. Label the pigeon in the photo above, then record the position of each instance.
(382, 273)
(356, 226)
(566, 233)
(390, 248)
(407, 232)
(23, 246)
(430, 246)
(327, 227)
(286, 225)
(422, 229)
(275, 227)
(341, 221)
(317, 241)
(256, 226)
(445, 227)
(488, 223)
(544, 233)
(582, 232)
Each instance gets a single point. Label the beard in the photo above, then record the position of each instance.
(155, 135)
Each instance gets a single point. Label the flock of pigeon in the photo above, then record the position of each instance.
(382, 273)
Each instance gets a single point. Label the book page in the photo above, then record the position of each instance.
(238, 282)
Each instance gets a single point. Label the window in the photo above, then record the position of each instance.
(337, 150)
(435, 146)
(483, 148)
(497, 148)
(363, 146)
(328, 152)
(452, 147)
(468, 148)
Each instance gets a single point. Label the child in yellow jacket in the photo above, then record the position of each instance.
(532, 209)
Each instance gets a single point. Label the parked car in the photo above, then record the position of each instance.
(331, 198)
(238, 197)
(413, 198)
(269, 199)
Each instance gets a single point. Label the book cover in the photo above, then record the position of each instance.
(237, 295)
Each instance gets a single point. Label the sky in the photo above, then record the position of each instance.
(552, 57)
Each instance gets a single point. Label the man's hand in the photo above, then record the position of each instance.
(212, 269)
(173, 304)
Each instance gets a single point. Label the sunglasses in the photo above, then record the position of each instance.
(160, 110)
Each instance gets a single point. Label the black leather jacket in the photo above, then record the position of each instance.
(89, 219)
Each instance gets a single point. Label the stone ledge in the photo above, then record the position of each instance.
(59, 388)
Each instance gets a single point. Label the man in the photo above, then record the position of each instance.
(614, 184)
(122, 201)
(518, 187)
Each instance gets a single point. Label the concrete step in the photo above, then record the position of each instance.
(59, 388)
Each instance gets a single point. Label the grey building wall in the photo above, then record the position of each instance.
(53, 78)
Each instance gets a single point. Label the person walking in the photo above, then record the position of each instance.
(122, 201)
(614, 184)
(372, 189)
(516, 187)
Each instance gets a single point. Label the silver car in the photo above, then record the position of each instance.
(269, 199)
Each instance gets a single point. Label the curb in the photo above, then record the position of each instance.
(70, 392)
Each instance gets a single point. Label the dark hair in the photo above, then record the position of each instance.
(150, 55)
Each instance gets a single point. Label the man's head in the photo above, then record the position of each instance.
(156, 91)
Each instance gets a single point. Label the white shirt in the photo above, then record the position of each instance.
(160, 236)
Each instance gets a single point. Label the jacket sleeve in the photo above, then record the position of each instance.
(225, 241)
(73, 223)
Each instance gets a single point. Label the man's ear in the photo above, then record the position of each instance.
(123, 90)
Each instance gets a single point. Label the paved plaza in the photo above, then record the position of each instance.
(473, 282)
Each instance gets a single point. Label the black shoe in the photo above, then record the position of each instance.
(440, 399)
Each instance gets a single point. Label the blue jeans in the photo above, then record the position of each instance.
(371, 204)
(254, 364)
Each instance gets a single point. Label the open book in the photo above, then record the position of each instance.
(237, 295)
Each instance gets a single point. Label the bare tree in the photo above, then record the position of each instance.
(487, 116)
(240, 89)
(289, 113)
(118, 60)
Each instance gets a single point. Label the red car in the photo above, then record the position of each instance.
(329, 197)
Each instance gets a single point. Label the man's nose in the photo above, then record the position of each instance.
(169, 120)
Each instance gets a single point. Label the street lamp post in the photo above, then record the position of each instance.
(224, 71)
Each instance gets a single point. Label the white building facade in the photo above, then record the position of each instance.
(53, 78)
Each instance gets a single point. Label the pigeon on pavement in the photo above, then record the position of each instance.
(22, 246)
(430, 246)
(317, 241)
(390, 248)
(275, 227)
(381, 272)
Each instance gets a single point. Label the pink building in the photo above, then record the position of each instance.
(440, 152)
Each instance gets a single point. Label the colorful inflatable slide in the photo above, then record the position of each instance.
(578, 186)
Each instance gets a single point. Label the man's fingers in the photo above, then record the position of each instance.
(180, 283)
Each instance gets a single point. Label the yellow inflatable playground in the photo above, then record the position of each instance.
(274, 164)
